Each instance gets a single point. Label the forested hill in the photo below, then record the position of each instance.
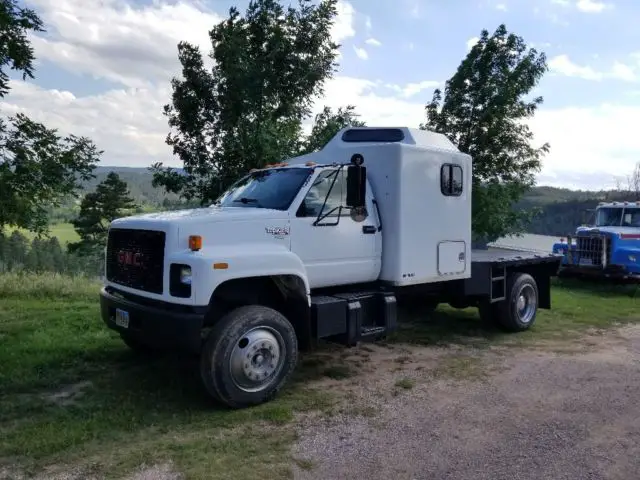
(562, 209)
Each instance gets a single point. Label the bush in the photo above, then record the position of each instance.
(48, 286)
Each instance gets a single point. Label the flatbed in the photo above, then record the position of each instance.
(504, 255)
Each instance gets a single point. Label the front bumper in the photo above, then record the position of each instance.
(159, 324)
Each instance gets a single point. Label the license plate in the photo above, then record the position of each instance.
(122, 318)
(586, 262)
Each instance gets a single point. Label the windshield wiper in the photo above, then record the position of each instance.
(246, 200)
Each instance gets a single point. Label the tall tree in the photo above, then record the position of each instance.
(37, 166)
(98, 209)
(247, 110)
(484, 112)
(326, 124)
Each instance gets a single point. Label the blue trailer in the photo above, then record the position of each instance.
(609, 248)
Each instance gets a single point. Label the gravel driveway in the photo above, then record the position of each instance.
(510, 414)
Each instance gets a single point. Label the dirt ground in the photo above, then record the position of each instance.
(510, 413)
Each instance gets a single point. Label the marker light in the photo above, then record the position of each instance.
(195, 242)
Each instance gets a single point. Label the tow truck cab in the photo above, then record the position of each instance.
(317, 247)
(608, 248)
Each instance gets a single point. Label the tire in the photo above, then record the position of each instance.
(236, 349)
(518, 311)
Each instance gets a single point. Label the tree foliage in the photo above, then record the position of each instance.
(110, 200)
(326, 124)
(484, 112)
(15, 49)
(247, 110)
(38, 167)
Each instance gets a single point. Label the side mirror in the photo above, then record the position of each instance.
(356, 186)
(356, 182)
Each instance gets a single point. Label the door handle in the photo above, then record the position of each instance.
(368, 229)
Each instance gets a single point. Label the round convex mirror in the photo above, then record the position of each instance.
(359, 214)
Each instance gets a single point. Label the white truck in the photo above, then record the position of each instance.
(317, 248)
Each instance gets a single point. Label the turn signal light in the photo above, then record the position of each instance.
(195, 242)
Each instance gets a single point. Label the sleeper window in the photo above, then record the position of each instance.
(451, 180)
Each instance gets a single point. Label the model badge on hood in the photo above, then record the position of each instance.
(277, 232)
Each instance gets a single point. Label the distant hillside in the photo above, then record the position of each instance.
(139, 180)
(562, 210)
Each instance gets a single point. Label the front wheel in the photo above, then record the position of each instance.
(248, 356)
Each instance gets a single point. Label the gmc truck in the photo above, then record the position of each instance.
(610, 248)
(319, 247)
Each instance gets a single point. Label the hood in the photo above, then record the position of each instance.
(201, 215)
(610, 230)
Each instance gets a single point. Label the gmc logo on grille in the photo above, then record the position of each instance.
(129, 258)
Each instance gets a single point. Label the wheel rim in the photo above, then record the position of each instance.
(526, 304)
(257, 358)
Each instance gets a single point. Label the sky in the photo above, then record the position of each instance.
(104, 68)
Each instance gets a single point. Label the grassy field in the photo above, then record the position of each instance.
(64, 231)
(72, 394)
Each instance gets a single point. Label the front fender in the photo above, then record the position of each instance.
(246, 260)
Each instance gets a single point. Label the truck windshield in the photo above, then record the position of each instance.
(609, 217)
(274, 188)
(618, 217)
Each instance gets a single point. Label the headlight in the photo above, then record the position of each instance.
(180, 278)
(185, 275)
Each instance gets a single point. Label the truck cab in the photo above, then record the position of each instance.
(317, 247)
(609, 248)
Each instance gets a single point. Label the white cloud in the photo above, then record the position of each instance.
(589, 140)
(373, 42)
(562, 65)
(135, 46)
(112, 40)
(361, 53)
(126, 123)
(502, 7)
(591, 6)
(471, 42)
(343, 27)
(412, 89)
(585, 6)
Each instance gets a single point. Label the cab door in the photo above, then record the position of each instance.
(334, 248)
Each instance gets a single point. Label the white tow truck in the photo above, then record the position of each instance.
(317, 248)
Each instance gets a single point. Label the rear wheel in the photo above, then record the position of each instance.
(248, 356)
(519, 310)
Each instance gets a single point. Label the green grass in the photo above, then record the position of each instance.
(72, 393)
(63, 231)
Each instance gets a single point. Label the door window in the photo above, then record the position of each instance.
(311, 206)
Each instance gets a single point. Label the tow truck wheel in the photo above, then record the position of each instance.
(518, 311)
(248, 356)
